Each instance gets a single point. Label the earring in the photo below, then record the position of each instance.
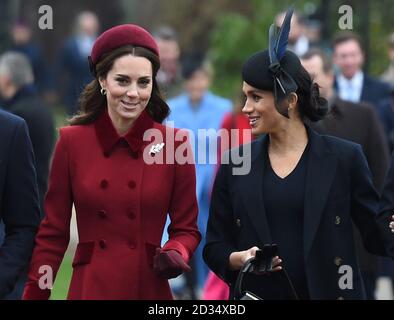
(103, 91)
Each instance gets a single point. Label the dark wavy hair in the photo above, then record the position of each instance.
(92, 102)
(311, 105)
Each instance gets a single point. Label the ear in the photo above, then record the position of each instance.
(292, 99)
(103, 82)
(331, 77)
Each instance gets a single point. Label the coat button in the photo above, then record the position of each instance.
(132, 244)
(338, 261)
(238, 222)
(123, 142)
(131, 215)
(102, 213)
(102, 244)
(134, 154)
(337, 220)
(131, 184)
(103, 184)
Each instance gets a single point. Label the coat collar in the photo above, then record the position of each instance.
(108, 136)
(322, 162)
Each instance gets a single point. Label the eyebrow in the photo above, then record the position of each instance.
(253, 92)
(127, 77)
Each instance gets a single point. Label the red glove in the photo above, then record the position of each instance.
(169, 264)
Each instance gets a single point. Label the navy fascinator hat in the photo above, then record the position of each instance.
(274, 69)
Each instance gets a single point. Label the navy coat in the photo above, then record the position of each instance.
(338, 190)
(28, 105)
(387, 202)
(373, 91)
(19, 206)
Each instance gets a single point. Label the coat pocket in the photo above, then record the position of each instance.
(83, 254)
(150, 250)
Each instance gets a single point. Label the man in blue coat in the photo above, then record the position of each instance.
(199, 110)
(19, 206)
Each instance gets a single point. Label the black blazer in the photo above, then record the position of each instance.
(359, 123)
(19, 207)
(338, 190)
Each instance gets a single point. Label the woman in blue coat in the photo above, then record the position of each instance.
(303, 190)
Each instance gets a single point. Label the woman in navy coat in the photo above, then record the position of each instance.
(303, 191)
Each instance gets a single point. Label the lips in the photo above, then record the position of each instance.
(253, 121)
(129, 104)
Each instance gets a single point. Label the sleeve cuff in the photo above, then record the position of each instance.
(33, 292)
(176, 245)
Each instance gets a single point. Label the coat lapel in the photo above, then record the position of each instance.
(321, 169)
(254, 190)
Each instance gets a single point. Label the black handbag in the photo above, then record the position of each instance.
(262, 265)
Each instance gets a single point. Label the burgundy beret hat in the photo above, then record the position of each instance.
(122, 35)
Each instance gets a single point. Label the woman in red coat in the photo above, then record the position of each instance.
(103, 166)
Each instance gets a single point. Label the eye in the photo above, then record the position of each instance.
(256, 98)
(122, 81)
(144, 82)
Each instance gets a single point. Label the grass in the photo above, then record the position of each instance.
(63, 278)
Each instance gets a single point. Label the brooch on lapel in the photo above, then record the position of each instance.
(156, 148)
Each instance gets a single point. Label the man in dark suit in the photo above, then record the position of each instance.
(19, 207)
(352, 83)
(21, 98)
(359, 123)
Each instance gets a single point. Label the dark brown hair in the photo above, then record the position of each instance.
(327, 65)
(344, 36)
(92, 102)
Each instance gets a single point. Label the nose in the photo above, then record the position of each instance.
(132, 91)
(247, 108)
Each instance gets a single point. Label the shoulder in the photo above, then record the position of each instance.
(76, 133)
(177, 101)
(9, 122)
(361, 109)
(370, 81)
(339, 146)
(220, 102)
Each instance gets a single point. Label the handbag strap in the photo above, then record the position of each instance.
(238, 284)
(238, 293)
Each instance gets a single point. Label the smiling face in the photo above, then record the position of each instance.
(349, 57)
(260, 109)
(129, 87)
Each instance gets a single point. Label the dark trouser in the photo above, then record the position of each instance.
(370, 284)
(16, 294)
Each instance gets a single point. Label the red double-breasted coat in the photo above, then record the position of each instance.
(121, 205)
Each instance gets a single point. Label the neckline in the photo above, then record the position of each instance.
(304, 152)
